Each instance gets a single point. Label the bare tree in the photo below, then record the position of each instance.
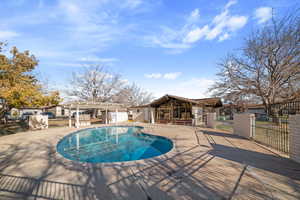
(133, 95)
(268, 66)
(98, 85)
(95, 84)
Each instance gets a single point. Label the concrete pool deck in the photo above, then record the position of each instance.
(204, 164)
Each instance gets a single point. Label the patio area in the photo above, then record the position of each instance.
(204, 164)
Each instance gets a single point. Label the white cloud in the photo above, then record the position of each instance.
(172, 75)
(98, 59)
(194, 16)
(221, 27)
(224, 22)
(230, 3)
(132, 4)
(5, 35)
(236, 22)
(154, 75)
(225, 36)
(172, 39)
(75, 29)
(168, 76)
(168, 39)
(169, 44)
(196, 34)
(263, 14)
(70, 8)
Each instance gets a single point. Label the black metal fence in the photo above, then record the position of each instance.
(272, 130)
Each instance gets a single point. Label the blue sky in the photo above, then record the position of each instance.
(165, 46)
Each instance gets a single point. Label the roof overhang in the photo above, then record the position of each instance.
(209, 102)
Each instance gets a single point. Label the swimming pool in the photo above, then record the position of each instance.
(112, 144)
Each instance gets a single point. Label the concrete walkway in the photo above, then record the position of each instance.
(204, 164)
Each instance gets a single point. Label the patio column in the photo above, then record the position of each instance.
(77, 117)
(152, 116)
(294, 138)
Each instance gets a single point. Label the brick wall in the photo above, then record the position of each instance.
(294, 138)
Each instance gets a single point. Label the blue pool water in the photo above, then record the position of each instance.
(112, 144)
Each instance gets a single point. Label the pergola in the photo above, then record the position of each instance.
(91, 105)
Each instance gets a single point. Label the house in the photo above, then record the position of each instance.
(227, 111)
(175, 110)
(33, 110)
(59, 111)
(179, 110)
(257, 109)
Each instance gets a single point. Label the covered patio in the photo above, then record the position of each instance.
(183, 111)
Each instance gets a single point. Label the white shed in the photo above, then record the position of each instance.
(117, 117)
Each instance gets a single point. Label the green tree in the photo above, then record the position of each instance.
(18, 86)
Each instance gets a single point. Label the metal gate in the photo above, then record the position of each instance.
(272, 129)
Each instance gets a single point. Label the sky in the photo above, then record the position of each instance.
(164, 46)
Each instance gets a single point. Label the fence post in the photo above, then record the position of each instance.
(243, 124)
(294, 138)
(211, 120)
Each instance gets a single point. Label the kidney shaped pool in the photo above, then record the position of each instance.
(112, 144)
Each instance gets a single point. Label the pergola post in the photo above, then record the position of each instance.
(103, 106)
(70, 117)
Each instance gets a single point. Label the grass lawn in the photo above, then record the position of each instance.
(226, 125)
